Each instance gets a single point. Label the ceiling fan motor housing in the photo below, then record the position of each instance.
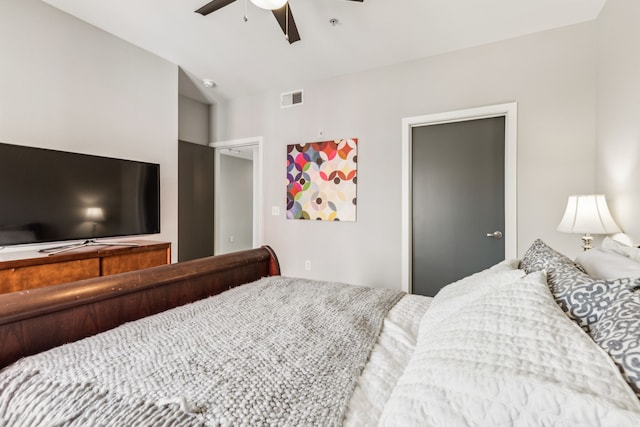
(281, 11)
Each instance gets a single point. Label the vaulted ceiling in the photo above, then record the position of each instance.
(252, 56)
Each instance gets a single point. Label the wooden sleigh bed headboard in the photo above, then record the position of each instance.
(39, 319)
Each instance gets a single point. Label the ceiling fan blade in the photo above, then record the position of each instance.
(212, 6)
(282, 17)
(357, 0)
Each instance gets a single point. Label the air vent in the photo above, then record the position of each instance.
(291, 99)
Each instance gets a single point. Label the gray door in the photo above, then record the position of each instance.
(195, 201)
(457, 199)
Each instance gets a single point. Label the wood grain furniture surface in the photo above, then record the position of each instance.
(35, 320)
(38, 270)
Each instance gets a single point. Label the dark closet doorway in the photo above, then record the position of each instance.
(195, 201)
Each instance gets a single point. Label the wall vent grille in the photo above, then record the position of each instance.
(291, 99)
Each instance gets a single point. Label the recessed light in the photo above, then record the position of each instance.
(208, 83)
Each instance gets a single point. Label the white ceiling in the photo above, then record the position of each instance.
(247, 57)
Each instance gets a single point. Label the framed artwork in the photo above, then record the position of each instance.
(322, 180)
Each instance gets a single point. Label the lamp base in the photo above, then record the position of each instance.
(587, 240)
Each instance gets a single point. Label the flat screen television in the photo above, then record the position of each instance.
(51, 196)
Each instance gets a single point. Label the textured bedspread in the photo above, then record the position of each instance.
(278, 351)
(492, 351)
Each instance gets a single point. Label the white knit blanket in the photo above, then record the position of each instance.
(279, 351)
(497, 352)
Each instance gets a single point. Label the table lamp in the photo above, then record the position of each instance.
(588, 214)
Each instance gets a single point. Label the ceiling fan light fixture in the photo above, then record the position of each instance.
(269, 4)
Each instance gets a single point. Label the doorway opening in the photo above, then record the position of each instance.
(237, 194)
(509, 112)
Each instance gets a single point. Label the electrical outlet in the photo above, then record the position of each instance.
(275, 210)
(307, 265)
(231, 239)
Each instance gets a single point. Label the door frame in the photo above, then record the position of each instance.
(257, 143)
(510, 112)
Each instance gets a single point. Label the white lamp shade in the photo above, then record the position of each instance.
(269, 4)
(588, 214)
(95, 214)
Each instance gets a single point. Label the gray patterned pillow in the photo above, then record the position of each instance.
(583, 298)
(539, 257)
(618, 332)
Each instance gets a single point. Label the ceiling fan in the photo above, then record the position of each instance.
(280, 9)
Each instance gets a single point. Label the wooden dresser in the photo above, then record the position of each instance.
(21, 271)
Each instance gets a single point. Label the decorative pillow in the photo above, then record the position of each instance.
(618, 332)
(540, 256)
(583, 298)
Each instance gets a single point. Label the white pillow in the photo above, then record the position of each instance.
(620, 248)
(608, 265)
(470, 288)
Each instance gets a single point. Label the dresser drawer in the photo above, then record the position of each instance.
(133, 261)
(18, 272)
(37, 276)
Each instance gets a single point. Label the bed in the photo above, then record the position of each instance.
(226, 340)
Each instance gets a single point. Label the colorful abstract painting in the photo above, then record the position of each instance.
(321, 180)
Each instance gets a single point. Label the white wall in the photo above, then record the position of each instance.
(618, 124)
(552, 77)
(193, 121)
(67, 85)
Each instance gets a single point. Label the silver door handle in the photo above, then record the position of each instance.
(495, 234)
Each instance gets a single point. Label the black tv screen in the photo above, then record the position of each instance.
(50, 196)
